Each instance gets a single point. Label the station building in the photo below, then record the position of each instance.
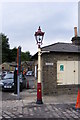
(60, 66)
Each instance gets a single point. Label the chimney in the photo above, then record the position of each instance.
(75, 31)
(76, 39)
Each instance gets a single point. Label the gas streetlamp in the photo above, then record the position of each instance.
(39, 38)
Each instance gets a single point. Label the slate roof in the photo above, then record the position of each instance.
(59, 48)
(62, 47)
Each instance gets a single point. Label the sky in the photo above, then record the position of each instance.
(79, 17)
(20, 20)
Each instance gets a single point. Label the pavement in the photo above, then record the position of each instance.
(53, 107)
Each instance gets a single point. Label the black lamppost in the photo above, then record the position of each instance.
(39, 38)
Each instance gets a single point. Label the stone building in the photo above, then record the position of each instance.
(28, 65)
(60, 67)
(6, 66)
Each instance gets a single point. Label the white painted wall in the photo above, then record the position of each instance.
(70, 74)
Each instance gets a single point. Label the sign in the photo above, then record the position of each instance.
(50, 64)
(61, 67)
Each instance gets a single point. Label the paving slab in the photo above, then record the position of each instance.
(53, 107)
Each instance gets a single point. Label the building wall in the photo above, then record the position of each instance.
(49, 73)
(8, 67)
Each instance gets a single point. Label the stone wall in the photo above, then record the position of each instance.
(49, 73)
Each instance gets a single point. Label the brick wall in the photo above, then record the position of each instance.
(49, 73)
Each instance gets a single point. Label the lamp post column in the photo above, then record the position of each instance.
(39, 38)
(39, 90)
(39, 65)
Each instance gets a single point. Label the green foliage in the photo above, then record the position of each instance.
(0, 49)
(10, 55)
(13, 54)
(25, 56)
(5, 47)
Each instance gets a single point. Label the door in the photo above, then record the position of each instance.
(67, 72)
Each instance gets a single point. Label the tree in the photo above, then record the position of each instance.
(0, 49)
(25, 56)
(10, 55)
(13, 54)
(5, 47)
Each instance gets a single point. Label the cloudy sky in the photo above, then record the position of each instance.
(20, 20)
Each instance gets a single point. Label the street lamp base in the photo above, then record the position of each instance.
(39, 94)
(39, 102)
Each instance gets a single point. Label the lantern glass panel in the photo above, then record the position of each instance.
(39, 39)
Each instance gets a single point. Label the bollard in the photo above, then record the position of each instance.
(27, 84)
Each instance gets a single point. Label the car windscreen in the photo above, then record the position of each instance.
(9, 76)
(29, 73)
